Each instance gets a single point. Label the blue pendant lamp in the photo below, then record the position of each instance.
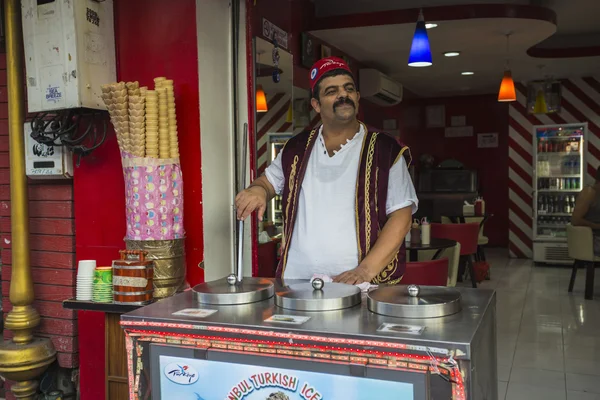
(420, 53)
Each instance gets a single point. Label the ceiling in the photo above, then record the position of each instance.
(481, 41)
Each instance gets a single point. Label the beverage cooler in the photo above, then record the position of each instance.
(559, 174)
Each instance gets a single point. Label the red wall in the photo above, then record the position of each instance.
(486, 115)
(153, 38)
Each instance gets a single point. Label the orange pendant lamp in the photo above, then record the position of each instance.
(507, 86)
(261, 100)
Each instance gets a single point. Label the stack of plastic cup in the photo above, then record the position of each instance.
(85, 279)
(103, 288)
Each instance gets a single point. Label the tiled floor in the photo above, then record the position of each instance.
(548, 339)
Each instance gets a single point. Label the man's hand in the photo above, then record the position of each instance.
(355, 276)
(252, 199)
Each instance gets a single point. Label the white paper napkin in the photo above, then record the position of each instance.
(364, 287)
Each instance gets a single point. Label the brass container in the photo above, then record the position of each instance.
(169, 264)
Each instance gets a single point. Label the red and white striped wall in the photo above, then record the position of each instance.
(275, 121)
(580, 103)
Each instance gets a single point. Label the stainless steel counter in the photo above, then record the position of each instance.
(457, 331)
(468, 337)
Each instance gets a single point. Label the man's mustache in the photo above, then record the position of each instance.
(342, 101)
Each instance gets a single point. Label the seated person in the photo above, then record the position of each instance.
(587, 210)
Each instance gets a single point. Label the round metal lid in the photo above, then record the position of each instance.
(317, 296)
(414, 302)
(221, 292)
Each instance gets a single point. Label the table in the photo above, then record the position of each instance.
(460, 218)
(434, 244)
(116, 353)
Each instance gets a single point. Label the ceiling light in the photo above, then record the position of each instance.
(261, 100)
(507, 86)
(430, 25)
(467, 73)
(541, 107)
(452, 53)
(420, 53)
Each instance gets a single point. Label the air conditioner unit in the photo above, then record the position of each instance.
(378, 88)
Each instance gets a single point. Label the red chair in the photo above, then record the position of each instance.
(427, 273)
(467, 235)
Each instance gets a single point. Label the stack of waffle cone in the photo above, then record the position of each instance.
(151, 124)
(133, 88)
(163, 123)
(116, 99)
(137, 130)
(173, 143)
(145, 120)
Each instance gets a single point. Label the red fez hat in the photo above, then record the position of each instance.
(325, 65)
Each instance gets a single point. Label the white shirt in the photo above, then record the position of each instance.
(324, 237)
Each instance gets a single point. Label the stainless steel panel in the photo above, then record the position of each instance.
(453, 331)
(305, 297)
(482, 380)
(425, 302)
(250, 290)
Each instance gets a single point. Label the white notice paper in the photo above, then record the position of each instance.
(195, 312)
(398, 328)
(487, 140)
(458, 131)
(287, 319)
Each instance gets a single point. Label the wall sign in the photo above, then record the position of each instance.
(458, 120)
(273, 32)
(435, 116)
(308, 51)
(487, 140)
(458, 131)
(193, 379)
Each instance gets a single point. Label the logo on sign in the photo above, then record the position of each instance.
(92, 16)
(180, 373)
(53, 95)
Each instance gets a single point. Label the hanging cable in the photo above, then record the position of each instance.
(80, 131)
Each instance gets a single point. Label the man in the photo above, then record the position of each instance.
(587, 210)
(347, 197)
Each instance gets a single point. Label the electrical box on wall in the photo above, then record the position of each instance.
(69, 52)
(46, 161)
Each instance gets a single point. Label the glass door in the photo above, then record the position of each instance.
(558, 177)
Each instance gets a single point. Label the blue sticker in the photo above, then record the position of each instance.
(53, 95)
(313, 73)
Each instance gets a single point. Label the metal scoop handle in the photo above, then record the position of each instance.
(240, 225)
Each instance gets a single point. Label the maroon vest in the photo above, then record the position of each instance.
(379, 152)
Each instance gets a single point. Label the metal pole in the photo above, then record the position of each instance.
(240, 257)
(24, 358)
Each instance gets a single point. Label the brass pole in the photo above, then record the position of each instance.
(24, 358)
